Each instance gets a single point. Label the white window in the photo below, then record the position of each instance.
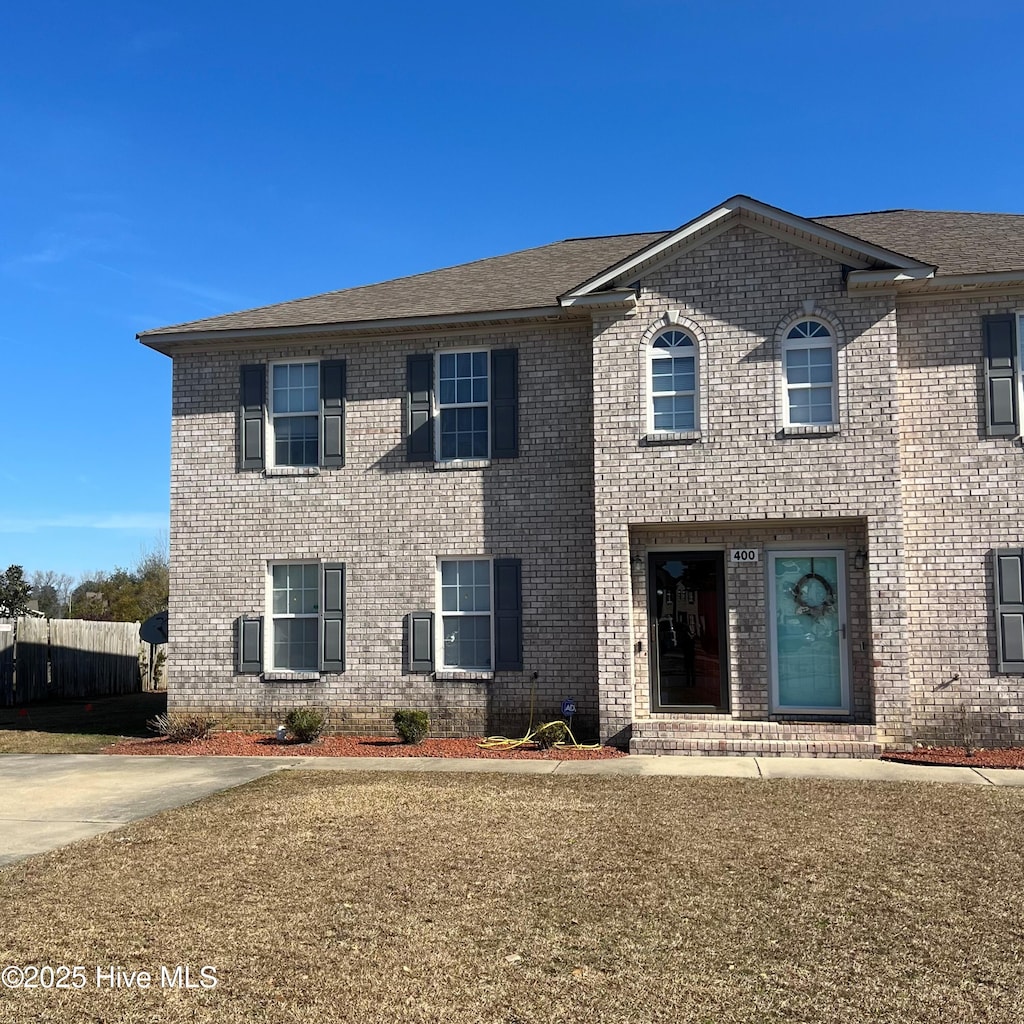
(809, 375)
(295, 413)
(672, 403)
(466, 633)
(463, 406)
(295, 617)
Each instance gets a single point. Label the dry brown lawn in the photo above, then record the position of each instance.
(396, 897)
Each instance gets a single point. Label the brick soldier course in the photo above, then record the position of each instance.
(910, 486)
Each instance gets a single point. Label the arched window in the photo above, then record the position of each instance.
(809, 374)
(673, 379)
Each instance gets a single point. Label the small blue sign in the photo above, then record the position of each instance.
(568, 708)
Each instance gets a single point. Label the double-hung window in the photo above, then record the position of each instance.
(809, 375)
(295, 617)
(295, 413)
(291, 416)
(463, 405)
(466, 614)
(673, 383)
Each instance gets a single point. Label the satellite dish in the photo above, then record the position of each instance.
(154, 629)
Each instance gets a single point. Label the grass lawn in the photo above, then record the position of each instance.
(77, 727)
(395, 897)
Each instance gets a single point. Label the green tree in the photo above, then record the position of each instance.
(126, 595)
(15, 592)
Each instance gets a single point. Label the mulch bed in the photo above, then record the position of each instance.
(1001, 757)
(240, 744)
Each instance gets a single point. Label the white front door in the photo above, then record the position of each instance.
(807, 632)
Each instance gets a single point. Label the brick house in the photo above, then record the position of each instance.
(746, 486)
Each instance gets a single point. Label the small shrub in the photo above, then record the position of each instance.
(411, 725)
(548, 735)
(305, 724)
(182, 728)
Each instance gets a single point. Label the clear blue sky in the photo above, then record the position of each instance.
(162, 163)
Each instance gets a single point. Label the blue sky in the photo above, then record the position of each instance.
(161, 163)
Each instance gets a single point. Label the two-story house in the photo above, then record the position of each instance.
(746, 486)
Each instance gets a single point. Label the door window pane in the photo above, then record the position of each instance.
(808, 640)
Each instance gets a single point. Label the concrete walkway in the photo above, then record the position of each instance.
(50, 800)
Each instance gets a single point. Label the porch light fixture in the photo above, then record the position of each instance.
(638, 563)
(860, 559)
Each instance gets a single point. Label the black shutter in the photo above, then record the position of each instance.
(332, 618)
(332, 413)
(1009, 580)
(505, 404)
(421, 642)
(250, 645)
(251, 416)
(1000, 375)
(420, 386)
(508, 615)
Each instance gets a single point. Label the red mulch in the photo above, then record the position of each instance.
(1001, 757)
(240, 744)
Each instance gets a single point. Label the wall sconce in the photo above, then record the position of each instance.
(637, 563)
(860, 559)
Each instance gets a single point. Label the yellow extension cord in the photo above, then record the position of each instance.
(504, 743)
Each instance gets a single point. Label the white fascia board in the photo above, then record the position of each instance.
(738, 205)
(172, 341)
(918, 282)
(876, 277)
(613, 297)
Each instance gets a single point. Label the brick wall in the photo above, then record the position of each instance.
(387, 520)
(962, 498)
(735, 290)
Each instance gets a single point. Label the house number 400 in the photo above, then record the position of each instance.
(744, 555)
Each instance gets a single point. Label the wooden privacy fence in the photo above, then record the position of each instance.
(55, 658)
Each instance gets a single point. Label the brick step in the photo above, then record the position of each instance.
(715, 746)
(740, 728)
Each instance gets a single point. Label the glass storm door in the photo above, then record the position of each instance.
(687, 617)
(807, 630)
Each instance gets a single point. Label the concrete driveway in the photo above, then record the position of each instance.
(50, 800)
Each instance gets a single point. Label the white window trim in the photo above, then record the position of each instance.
(286, 468)
(270, 668)
(805, 343)
(455, 671)
(478, 461)
(653, 433)
(1018, 326)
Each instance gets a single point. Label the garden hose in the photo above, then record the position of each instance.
(504, 743)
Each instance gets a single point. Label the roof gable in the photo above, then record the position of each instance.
(821, 238)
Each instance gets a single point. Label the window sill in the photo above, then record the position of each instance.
(463, 464)
(467, 675)
(291, 677)
(672, 437)
(810, 430)
(292, 471)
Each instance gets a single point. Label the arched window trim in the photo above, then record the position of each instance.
(808, 342)
(671, 324)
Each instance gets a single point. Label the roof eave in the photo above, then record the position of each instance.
(169, 342)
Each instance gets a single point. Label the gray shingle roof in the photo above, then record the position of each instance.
(956, 243)
(527, 279)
